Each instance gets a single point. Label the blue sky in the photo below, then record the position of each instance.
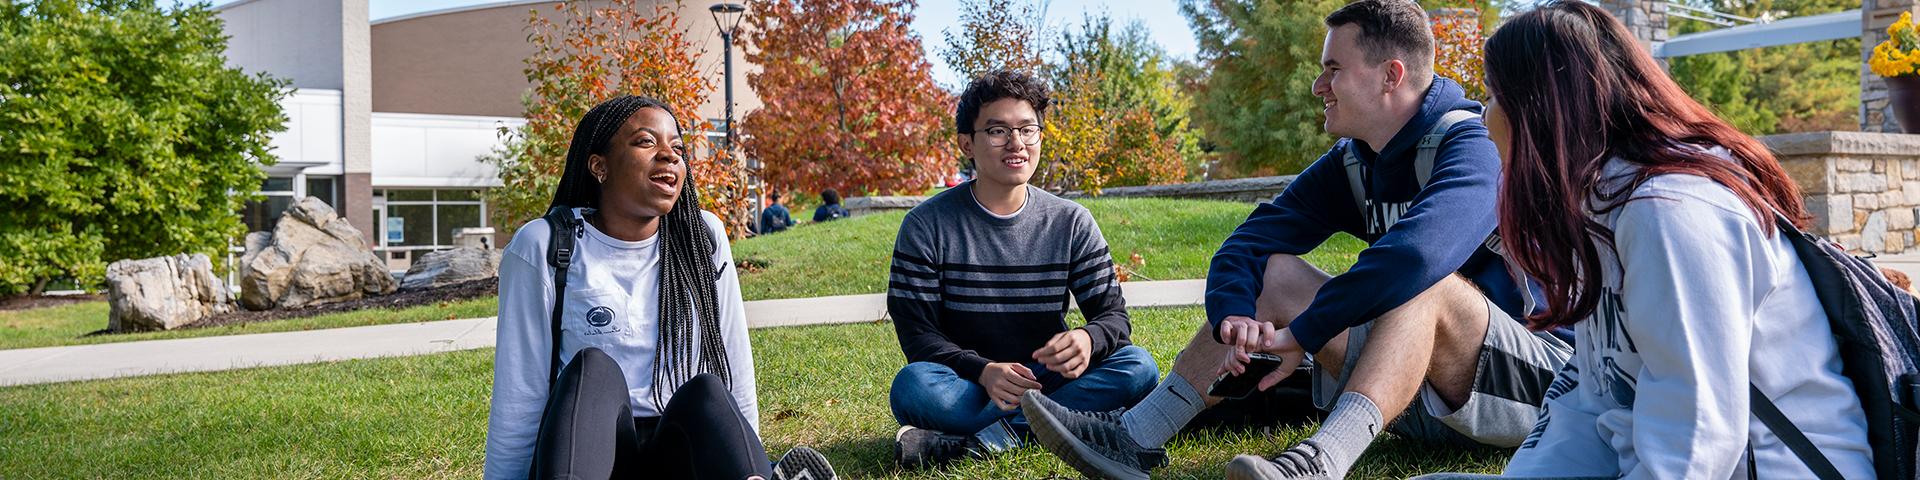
(1161, 17)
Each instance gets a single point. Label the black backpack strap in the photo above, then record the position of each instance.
(564, 228)
(1789, 434)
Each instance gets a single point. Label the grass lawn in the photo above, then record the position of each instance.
(425, 417)
(850, 256)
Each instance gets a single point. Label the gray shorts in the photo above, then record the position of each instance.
(1509, 382)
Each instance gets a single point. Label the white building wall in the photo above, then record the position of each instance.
(311, 142)
(298, 40)
(417, 150)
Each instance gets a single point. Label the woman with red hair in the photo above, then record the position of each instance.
(1651, 224)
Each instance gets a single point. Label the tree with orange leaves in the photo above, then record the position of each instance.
(1458, 41)
(584, 55)
(849, 100)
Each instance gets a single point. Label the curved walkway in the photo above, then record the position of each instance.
(127, 359)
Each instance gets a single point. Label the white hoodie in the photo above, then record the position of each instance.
(620, 276)
(1699, 302)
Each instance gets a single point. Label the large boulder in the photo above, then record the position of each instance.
(447, 267)
(163, 293)
(312, 257)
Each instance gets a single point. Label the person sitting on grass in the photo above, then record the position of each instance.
(1652, 225)
(658, 380)
(829, 208)
(981, 276)
(775, 218)
(1419, 337)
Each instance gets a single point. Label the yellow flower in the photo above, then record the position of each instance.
(1900, 54)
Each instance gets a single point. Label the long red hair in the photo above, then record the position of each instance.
(1577, 90)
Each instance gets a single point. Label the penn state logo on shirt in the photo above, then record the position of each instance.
(600, 321)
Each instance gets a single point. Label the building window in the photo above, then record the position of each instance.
(260, 215)
(327, 189)
(429, 218)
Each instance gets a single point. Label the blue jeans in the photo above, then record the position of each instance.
(932, 396)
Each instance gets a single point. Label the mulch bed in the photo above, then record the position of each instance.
(29, 302)
(402, 299)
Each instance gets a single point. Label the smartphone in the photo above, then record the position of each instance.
(1239, 386)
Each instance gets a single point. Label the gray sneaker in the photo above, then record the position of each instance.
(1092, 442)
(1300, 462)
(915, 447)
(802, 463)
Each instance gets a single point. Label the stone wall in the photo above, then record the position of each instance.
(1647, 19)
(1253, 190)
(1862, 188)
(857, 206)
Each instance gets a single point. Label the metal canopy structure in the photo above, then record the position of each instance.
(1832, 26)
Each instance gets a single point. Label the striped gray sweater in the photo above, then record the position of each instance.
(968, 288)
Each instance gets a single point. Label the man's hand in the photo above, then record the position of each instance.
(1067, 353)
(1244, 332)
(1291, 356)
(1005, 382)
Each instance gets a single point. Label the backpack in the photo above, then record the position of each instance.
(1874, 326)
(1423, 158)
(565, 229)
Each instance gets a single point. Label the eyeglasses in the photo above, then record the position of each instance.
(997, 136)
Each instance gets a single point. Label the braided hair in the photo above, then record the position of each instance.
(686, 247)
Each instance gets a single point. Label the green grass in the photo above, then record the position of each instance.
(65, 324)
(850, 256)
(425, 417)
(1175, 238)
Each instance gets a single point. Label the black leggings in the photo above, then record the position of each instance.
(589, 432)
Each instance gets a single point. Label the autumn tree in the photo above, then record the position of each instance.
(586, 54)
(1121, 116)
(1459, 44)
(994, 34)
(849, 102)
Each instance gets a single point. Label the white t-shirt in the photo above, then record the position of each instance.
(1699, 302)
(612, 304)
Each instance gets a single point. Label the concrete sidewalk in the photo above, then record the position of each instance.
(126, 359)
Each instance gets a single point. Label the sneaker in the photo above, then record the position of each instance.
(802, 463)
(916, 447)
(1300, 462)
(1092, 442)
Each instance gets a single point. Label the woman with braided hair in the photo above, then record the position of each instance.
(655, 377)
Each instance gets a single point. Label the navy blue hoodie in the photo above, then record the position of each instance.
(1438, 231)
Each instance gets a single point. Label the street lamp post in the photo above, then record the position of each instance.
(726, 16)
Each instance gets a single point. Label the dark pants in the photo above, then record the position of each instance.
(588, 430)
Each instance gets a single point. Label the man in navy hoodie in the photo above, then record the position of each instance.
(1425, 329)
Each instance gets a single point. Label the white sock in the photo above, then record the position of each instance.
(1345, 434)
(1156, 418)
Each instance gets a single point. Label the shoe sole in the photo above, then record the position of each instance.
(1246, 467)
(806, 464)
(1071, 450)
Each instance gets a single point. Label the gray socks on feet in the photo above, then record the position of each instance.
(1170, 406)
(1347, 432)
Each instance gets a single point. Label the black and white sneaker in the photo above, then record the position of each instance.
(1300, 462)
(1092, 442)
(802, 463)
(916, 447)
